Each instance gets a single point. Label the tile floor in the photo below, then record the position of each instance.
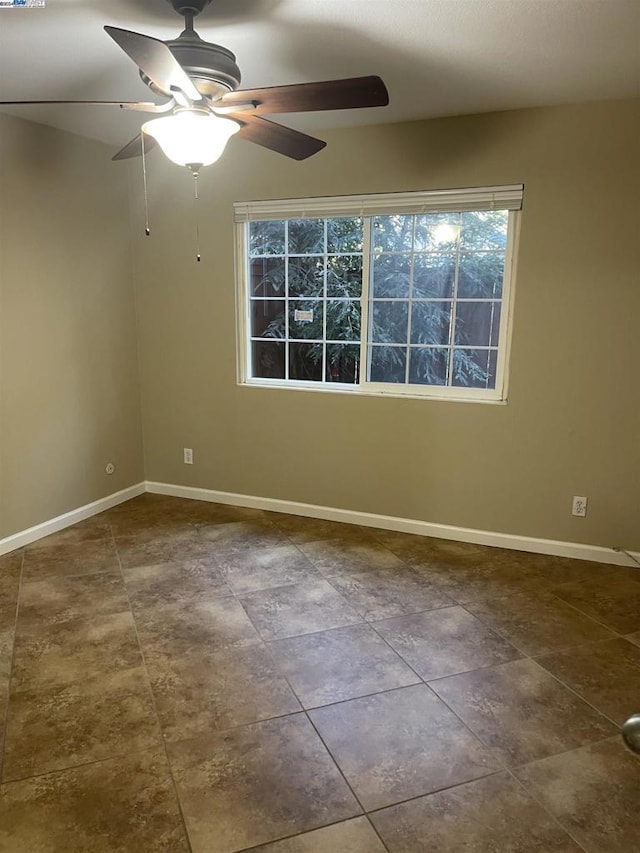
(183, 676)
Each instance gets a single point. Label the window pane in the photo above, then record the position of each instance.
(430, 322)
(433, 276)
(389, 322)
(480, 275)
(392, 275)
(343, 363)
(267, 276)
(476, 323)
(484, 229)
(344, 276)
(388, 364)
(437, 232)
(267, 318)
(474, 368)
(266, 238)
(344, 234)
(306, 319)
(306, 276)
(306, 236)
(392, 233)
(305, 362)
(267, 359)
(428, 366)
(343, 320)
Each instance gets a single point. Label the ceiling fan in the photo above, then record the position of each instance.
(203, 105)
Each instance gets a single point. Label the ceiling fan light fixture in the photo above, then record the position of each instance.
(192, 137)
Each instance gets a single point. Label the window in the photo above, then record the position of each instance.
(408, 294)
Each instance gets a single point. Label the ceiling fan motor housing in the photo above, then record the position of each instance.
(212, 67)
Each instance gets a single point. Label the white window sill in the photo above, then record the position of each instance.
(366, 391)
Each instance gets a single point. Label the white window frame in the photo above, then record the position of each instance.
(437, 201)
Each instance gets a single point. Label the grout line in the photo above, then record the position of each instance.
(263, 844)
(578, 696)
(153, 698)
(553, 817)
(5, 721)
(72, 767)
(335, 762)
(586, 615)
(375, 830)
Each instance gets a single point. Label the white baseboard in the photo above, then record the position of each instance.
(25, 537)
(552, 547)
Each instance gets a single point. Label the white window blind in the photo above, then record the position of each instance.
(478, 198)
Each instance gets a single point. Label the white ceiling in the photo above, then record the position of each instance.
(437, 57)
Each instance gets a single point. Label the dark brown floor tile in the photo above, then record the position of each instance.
(88, 720)
(299, 528)
(74, 558)
(169, 583)
(340, 556)
(161, 509)
(401, 744)
(227, 540)
(91, 529)
(332, 666)
(478, 581)
(10, 569)
(634, 638)
(175, 630)
(203, 692)
(116, 806)
(169, 511)
(215, 513)
(4, 701)
(594, 792)
(46, 655)
(485, 816)
(381, 593)
(56, 600)
(427, 549)
(520, 710)
(559, 570)
(256, 784)
(137, 551)
(445, 642)
(263, 568)
(144, 530)
(288, 611)
(351, 836)
(606, 675)
(538, 622)
(615, 603)
(6, 652)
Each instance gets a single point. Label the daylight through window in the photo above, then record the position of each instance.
(377, 300)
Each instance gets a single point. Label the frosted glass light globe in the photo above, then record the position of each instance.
(192, 138)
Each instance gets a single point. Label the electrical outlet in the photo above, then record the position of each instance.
(188, 456)
(579, 506)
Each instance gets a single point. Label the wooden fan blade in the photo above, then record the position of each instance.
(134, 148)
(349, 94)
(139, 106)
(155, 59)
(276, 137)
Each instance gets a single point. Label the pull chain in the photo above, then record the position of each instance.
(147, 230)
(196, 214)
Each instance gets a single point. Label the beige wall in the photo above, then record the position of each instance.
(69, 392)
(572, 423)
